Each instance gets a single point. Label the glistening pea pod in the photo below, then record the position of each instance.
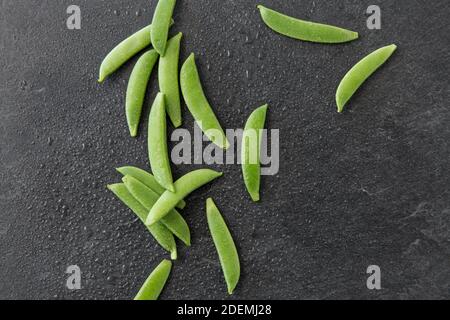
(161, 23)
(168, 79)
(251, 151)
(161, 234)
(157, 144)
(148, 179)
(226, 249)
(155, 283)
(360, 73)
(124, 51)
(137, 87)
(184, 186)
(173, 220)
(198, 105)
(305, 30)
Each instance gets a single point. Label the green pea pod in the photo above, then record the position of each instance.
(161, 24)
(161, 234)
(251, 151)
(124, 51)
(199, 106)
(137, 87)
(155, 283)
(184, 186)
(360, 73)
(158, 153)
(305, 30)
(168, 79)
(173, 221)
(148, 179)
(228, 255)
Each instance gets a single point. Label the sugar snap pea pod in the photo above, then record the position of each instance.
(161, 23)
(168, 79)
(161, 234)
(148, 179)
(251, 151)
(228, 255)
(305, 30)
(198, 105)
(137, 87)
(157, 144)
(359, 74)
(124, 51)
(184, 186)
(147, 197)
(155, 283)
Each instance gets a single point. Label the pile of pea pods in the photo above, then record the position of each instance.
(155, 197)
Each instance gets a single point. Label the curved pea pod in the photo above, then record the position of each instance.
(148, 179)
(168, 79)
(137, 87)
(228, 255)
(199, 106)
(360, 73)
(157, 144)
(155, 283)
(251, 151)
(173, 220)
(305, 30)
(184, 186)
(161, 234)
(124, 51)
(161, 24)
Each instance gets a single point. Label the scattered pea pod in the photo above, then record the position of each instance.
(148, 179)
(168, 79)
(137, 87)
(228, 255)
(198, 105)
(161, 234)
(157, 144)
(124, 51)
(155, 283)
(251, 151)
(359, 74)
(161, 23)
(184, 186)
(305, 30)
(173, 220)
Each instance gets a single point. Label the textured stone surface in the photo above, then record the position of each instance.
(370, 186)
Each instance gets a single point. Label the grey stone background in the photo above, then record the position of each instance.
(370, 186)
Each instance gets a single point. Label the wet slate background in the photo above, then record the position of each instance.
(370, 186)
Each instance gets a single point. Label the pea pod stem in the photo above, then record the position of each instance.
(168, 79)
(226, 249)
(155, 283)
(357, 75)
(251, 151)
(173, 220)
(161, 23)
(305, 30)
(148, 179)
(184, 186)
(199, 106)
(137, 87)
(161, 234)
(157, 144)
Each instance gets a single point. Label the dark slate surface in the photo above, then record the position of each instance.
(370, 186)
